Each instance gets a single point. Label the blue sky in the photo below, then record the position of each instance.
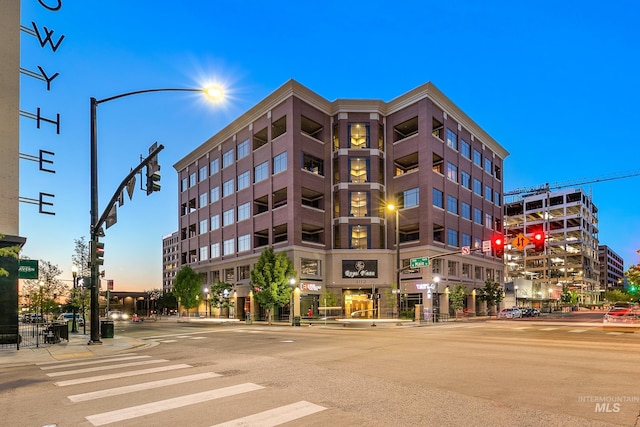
(555, 82)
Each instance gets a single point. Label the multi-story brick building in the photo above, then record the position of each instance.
(611, 268)
(313, 178)
(170, 260)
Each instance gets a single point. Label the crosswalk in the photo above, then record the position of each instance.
(173, 388)
(525, 328)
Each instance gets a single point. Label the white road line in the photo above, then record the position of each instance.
(522, 328)
(92, 362)
(164, 405)
(165, 341)
(56, 362)
(277, 416)
(140, 387)
(615, 333)
(106, 367)
(548, 329)
(577, 331)
(121, 375)
(197, 338)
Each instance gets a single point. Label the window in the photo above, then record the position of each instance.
(488, 193)
(478, 272)
(312, 164)
(260, 138)
(452, 237)
(477, 216)
(438, 198)
(228, 275)
(452, 205)
(261, 172)
(203, 173)
(244, 243)
(465, 210)
(452, 172)
(243, 149)
(465, 180)
(244, 272)
(477, 158)
(358, 169)
(359, 135)
(311, 128)
(410, 197)
(279, 127)
(437, 164)
(228, 247)
(359, 237)
(488, 221)
(215, 222)
(203, 200)
(215, 250)
(228, 188)
(203, 226)
(280, 162)
(336, 137)
(192, 179)
(465, 149)
(214, 166)
(228, 158)
(477, 187)
(496, 198)
(183, 184)
(228, 217)
(466, 271)
(359, 203)
(310, 267)
(452, 268)
(244, 211)
(204, 253)
(406, 164)
(452, 139)
(436, 128)
(214, 194)
(438, 234)
(244, 180)
(487, 166)
(405, 129)
(465, 239)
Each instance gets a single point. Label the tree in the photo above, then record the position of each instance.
(44, 296)
(166, 302)
(219, 295)
(492, 294)
(569, 296)
(81, 256)
(633, 278)
(187, 287)
(457, 297)
(11, 251)
(270, 280)
(617, 295)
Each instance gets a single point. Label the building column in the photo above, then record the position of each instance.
(471, 303)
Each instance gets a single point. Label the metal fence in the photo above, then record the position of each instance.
(32, 335)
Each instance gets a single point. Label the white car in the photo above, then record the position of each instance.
(509, 313)
(68, 317)
(117, 315)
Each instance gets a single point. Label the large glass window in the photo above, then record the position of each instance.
(452, 237)
(192, 179)
(359, 135)
(465, 149)
(228, 217)
(359, 203)
(466, 239)
(243, 149)
(228, 158)
(488, 193)
(261, 172)
(465, 180)
(411, 197)
(229, 246)
(204, 253)
(438, 198)
(215, 222)
(214, 166)
(465, 210)
(203, 173)
(312, 164)
(358, 169)
(183, 184)
(203, 226)
(477, 187)
(280, 162)
(477, 216)
(214, 194)
(452, 139)
(215, 250)
(359, 237)
(244, 243)
(203, 200)
(487, 166)
(452, 172)
(477, 158)
(244, 180)
(452, 204)
(244, 211)
(228, 188)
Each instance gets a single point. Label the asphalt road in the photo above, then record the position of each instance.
(498, 373)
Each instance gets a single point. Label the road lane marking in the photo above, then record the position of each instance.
(106, 367)
(166, 341)
(577, 331)
(119, 375)
(167, 404)
(93, 358)
(522, 328)
(92, 362)
(277, 416)
(140, 387)
(197, 338)
(548, 329)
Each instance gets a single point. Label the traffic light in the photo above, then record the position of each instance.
(153, 175)
(538, 240)
(99, 253)
(497, 243)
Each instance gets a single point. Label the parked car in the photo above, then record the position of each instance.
(117, 315)
(509, 313)
(32, 318)
(68, 317)
(622, 317)
(530, 312)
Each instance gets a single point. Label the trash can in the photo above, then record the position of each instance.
(106, 328)
(247, 318)
(296, 321)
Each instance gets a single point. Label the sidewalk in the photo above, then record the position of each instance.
(77, 347)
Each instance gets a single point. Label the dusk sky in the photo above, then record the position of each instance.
(556, 83)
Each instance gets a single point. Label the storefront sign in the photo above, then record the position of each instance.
(28, 269)
(359, 269)
(310, 287)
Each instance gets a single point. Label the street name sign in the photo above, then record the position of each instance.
(419, 262)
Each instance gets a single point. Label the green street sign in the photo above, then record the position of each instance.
(28, 269)
(419, 262)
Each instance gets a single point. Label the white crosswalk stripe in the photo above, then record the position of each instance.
(93, 362)
(118, 375)
(106, 368)
(277, 416)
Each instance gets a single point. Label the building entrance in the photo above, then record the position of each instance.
(358, 305)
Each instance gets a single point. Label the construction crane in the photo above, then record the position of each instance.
(539, 189)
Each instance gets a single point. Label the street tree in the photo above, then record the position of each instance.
(633, 278)
(187, 287)
(270, 280)
(219, 295)
(11, 251)
(44, 291)
(166, 302)
(457, 298)
(80, 259)
(492, 294)
(615, 295)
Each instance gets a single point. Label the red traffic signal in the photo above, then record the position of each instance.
(497, 243)
(538, 239)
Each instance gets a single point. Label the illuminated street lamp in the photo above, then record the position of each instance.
(95, 229)
(396, 209)
(74, 273)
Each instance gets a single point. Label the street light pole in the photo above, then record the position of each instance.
(74, 273)
(398, 257)
(95, 227)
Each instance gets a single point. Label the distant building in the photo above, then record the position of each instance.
(170, 260)
(313, 178)
(569, 220)
(611, 268)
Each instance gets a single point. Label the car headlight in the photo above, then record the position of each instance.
(125, 316)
